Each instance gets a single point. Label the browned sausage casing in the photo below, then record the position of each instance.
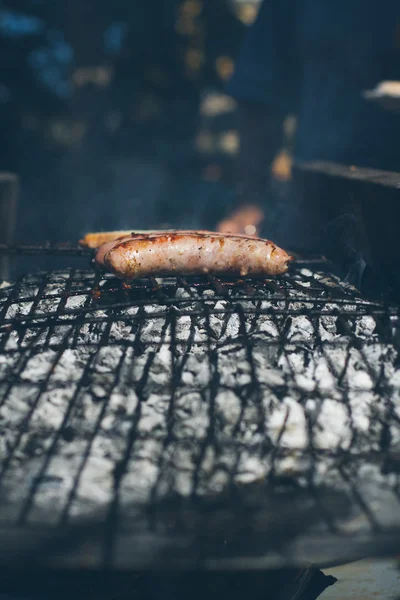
(191, 253)
(97, 239)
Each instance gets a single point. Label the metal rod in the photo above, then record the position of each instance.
(46, 250)
(371, 176)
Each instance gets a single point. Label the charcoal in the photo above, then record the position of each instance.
(188, 391)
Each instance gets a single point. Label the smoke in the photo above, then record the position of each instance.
(344, 245)
(316, 215)
(355, 274)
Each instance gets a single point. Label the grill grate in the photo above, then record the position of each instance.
(216, 409)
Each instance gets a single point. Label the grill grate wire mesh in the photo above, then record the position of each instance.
(96, 321)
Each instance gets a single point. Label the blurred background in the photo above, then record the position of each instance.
(113, 113)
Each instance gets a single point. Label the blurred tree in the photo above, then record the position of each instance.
(171, 51)
(83, 82)
(95, 72)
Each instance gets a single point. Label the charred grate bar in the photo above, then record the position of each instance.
(225, 410)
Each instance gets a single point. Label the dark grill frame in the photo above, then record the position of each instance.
(104, 293)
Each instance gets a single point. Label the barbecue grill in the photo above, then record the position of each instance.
(197, 422)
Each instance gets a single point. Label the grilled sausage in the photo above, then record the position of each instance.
(97, 239)
(191, 253)
(108, 245)
(110, 240)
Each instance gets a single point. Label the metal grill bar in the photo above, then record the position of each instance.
(48, 249)
(320, 295)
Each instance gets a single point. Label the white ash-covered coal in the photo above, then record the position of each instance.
(153, 395)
